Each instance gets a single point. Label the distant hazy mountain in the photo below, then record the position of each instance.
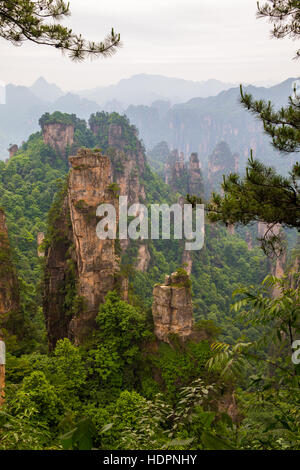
(19, 116)
(196, 125)
(73, 104)
(201, 123)
(46, 91)
(144, 89)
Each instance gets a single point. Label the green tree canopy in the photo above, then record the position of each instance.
(262, 194)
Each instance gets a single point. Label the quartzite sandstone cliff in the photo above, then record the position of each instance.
(77, 261)
(172, 308)
(9, 292)
(59, 136)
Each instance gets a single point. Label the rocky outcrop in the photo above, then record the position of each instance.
(97, 263)
(294, 271)
(196, 185)
(268, 231)
(80, 268)
(184, 177)
(236, 162)
(128, 166)
(248, 240)
(13, 150)
(265, 230)
(115, 136)
(143, 258)
(60, 277)
(172, 308)
(199, 126)
(279, 270)
(59, 136)
(220, 162)
(9, 291)
(160, 152)
(175, 171)
(125, 152)
(125, 289)
(187, 261)
(226, 403)
(39, 240)
(231, 229)
(128, 180)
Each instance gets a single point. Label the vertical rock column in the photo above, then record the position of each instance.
(59, 136)
(97, 262)
(9, 292)
(196, 186)
(80, 268)
(172, 308)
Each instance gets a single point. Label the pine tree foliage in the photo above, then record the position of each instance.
(285, 17)
(258, 306)
(39, 22)
(283, 125)
(262, 195)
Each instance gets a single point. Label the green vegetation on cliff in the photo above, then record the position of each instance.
(121, 389)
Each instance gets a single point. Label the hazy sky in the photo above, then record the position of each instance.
(191, 39)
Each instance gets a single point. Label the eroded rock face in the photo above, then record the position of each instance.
(267, 230)
(293, 274)
(39, 240)
(127, 165)
(97, 262)
(13, 150)
(248, 239)
(59, 136)
(184, 177)
(187, 261)
(78, 261)
(59, 277)
(127, 168)
(9, 292)
(279, 271)
(172, 308)
(195, 176)
(143, 258)
(220, 162)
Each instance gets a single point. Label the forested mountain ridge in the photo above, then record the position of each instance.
(117, 367)
(29, 183)
(201, 123)
(146, 88)
(195, 126)
(117, 343)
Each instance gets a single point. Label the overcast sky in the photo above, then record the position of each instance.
(190, 39)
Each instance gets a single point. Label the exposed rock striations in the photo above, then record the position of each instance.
(96, 260)
(58, 136)
(220, 162)
(13, 150)
(172, 307)
(9, 291)
(184, 176)
(80, 268)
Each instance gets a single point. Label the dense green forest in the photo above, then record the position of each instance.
(122, 389)
(226, 377)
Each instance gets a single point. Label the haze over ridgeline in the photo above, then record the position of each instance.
(138, 89)
(190, 116)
